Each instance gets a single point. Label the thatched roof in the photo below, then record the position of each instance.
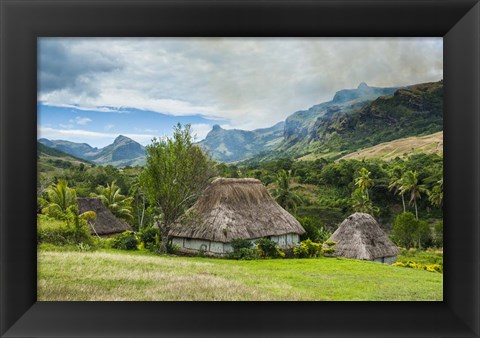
(359, 236)
(235, 209)
(106, 223)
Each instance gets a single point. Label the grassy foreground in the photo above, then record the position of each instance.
(117, 275)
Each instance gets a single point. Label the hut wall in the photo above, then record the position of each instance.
(222, 248)
(386, 260)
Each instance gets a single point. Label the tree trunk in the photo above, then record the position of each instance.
(403, 202)
(416, 211)
(143, 213)
(163, 233)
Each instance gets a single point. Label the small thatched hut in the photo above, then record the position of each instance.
(359, 236)
(106, 223)
(234, 209)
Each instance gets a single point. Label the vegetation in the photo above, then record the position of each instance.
(140, 276)
(119, 205)
(175, 174)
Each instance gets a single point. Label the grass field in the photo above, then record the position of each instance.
(119, 275)
(429, 144)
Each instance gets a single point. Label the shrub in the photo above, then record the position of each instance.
(307, 249)
(242, 250)
(327, 249)
(405, 229)
(147, 237)
(125, 241)
(60, 233)
(268, 249)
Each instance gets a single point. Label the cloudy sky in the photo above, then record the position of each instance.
(93, 89)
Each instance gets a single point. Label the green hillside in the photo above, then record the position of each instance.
(50, 159)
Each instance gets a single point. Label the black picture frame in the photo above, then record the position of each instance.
(22, 21)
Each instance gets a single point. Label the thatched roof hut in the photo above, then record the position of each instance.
(236, 209)
(106, 223)
(359, 236)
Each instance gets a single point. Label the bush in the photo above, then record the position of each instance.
(268, 249)
(327, 249)
(125, 241)
(147, 237)
(307, 249)
(242, 250)
(60, 233)
(418, 266)
(404, 229)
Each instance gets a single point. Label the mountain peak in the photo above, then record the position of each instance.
(121, 138)
(216, 127)
(363, 85)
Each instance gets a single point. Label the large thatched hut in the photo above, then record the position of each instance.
(234, 209)
(359, 236)
(106, 223)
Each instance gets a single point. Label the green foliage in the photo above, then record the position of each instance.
(59, 200)
(176, 172)
(307, 249)
(149, 237)
(284, 194)
(125, 241)
(57, 232)
(243, 249)
(404, 229)
(438, 230)
(268, 249)
(111, 197)
(314, 230)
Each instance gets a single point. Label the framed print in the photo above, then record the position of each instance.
(82, 79)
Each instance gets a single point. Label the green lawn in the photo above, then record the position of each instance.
(120, 275)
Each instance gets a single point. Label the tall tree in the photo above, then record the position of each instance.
(284, 193)
(175, 173)
(396, 183)
(411, 185)
(363, 181)
(120, 205)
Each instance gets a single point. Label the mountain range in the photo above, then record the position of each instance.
(353, 120)
(122, 152)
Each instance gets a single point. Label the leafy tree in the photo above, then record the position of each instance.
(120, 205)
(435, 196)
(175, 173)
(405, 229)
(284, 194)
(411, 185)
(424, 234)
(59, 200)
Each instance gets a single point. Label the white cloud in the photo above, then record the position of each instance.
(251, 82)
(81, 120)
(109, 127)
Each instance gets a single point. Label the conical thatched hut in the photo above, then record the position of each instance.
(359, 236)
(106, 223)
(234, 209)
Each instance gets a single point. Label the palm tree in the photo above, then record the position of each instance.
(364, 181)
(119, 205)
(361, 202)
(283, 193)
(60, 199)
(61, 203)
(396, 184)
(435, 196)
(411, 185)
